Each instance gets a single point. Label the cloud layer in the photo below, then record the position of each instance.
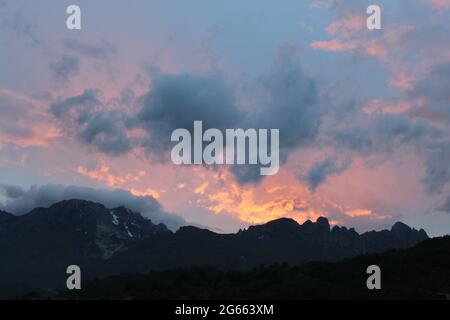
(20, 201)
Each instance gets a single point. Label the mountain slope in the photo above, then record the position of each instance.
(421, 272)
(282, 240)
(37, 248)
(41, 244)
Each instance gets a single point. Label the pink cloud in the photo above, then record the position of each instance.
(347, 26)
(333, 45)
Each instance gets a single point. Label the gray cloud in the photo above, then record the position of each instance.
(20, 201)
(104, 130)
(77, 108)
(435, 89)
(381, 133)
(64, 68)
(321, 170)
(290, 102)
(92, 122)
(437, 174)
(176, 101)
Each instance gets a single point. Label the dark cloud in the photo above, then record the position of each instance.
(176, 101)
(93, 123)
(379, 133)
(105, 131)
(245, 174)
(321, 170)
(77, 108)
(433, 93)
(434, 88)
(64, 68)
(20, 201)
(291, 103)
(437, 174)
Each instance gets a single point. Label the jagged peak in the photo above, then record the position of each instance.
(322, 225)
(283, 221)
(323, 221)
(400, 226)
(193, 229)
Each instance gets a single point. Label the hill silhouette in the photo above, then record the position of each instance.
(421, 272)
(37, 248)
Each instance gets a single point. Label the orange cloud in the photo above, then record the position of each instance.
(103, 174)
(259, 203)
(147, 192)
(357, 213)
(201, 189)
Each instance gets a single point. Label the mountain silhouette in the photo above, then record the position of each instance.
(36, 248)
(420, 272)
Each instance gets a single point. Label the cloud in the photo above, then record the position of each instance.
(20, 201)
(17, 20)
(104, 130)
(102, 50)
(103, 173)
(433, 94)
(289, 102)
(437, 174)
(445, 206)
(292, 102)
(64, 68)
(77, 108)
(321, 170)
(380, 133)
(93, 123)
(23, 121)
(333, 45)
(176, 101)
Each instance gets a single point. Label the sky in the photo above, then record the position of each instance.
(363, 114)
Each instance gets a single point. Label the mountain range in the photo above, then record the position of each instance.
(420, 273)
(37, 247)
